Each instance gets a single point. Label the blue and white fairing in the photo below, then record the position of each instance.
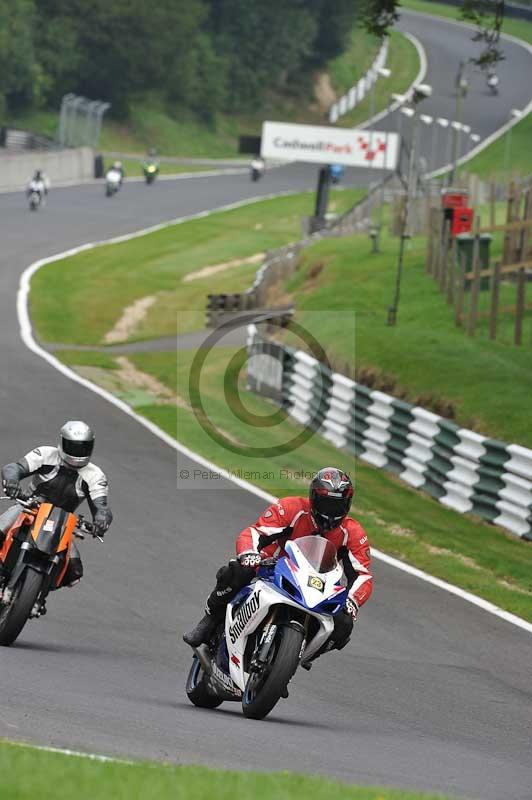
(308, 578)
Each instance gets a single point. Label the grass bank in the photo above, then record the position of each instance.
(157, 265)
(425, 358)
(508, 156)
(403, 60)
(29, 773)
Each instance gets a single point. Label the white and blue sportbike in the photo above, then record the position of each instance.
(277, 622)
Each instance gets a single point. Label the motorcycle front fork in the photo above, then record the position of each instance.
(260, 657)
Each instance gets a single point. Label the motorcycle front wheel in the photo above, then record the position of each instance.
(14, 615)
(265, 689)
(196, 689)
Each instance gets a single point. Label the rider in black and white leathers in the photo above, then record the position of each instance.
(56, 481)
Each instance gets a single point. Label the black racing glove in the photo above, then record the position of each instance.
(11, 487)
(102, 520)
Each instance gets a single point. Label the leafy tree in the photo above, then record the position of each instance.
(377, 16)
(17, 58)
(264, 44)
(488, 16)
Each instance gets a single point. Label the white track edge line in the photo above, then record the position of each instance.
(66, 752)
(26, 333)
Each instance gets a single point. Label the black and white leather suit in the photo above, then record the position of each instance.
(57, 483)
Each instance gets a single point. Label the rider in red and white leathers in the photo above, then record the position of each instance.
(294, 513)
(331, 492)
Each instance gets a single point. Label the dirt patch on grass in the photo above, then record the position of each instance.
(131, 317)
(398, 530)
(323, 92)
(133, 377)
(215, 269)
(513, 587)
(465, 560)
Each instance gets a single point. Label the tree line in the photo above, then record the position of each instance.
(202, 55)
(205, 56)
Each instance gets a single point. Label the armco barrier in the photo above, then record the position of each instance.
(356, 94)
(461, 469)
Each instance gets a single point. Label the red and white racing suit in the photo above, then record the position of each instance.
(291, 518)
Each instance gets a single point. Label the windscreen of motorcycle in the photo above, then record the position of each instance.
(319, 552)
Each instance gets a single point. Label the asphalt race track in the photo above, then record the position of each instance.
(433, 693)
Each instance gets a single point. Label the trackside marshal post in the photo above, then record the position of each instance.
(352, 147)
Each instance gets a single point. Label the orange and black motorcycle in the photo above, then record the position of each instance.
(33, 561)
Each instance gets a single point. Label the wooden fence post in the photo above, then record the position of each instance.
(429, 260)
(445, 255)
(492, 204)
(494, 309)
(526, 246)
(516, 236)
(509, 217)
(520, 306)
(475, 283)
(452, 272)
(459, 294)
(440, 232)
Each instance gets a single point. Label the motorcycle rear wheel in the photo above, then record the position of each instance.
(15, 615)
(196, 689)
(263, 691)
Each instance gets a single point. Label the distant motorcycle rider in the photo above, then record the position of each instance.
(323, 513)
(65, 476)
(39, 183)
(493, 82)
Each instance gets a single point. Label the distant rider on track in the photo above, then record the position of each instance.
(64, 476)
(39, 183)
(324, 512)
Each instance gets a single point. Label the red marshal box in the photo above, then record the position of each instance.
(454, 198)
(462, 221)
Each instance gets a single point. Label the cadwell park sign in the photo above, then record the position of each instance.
(351, 147)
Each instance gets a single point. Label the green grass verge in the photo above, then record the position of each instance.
(133, 167)
(508, 156)
(346, 69)
(28, 773)
(403, 61)
(425, 358)
(157, 263)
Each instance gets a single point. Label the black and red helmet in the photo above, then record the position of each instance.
(331, 495)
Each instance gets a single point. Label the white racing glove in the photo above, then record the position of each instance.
(250, 560)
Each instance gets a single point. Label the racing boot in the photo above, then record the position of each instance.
(39, 609)
(203, 631)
